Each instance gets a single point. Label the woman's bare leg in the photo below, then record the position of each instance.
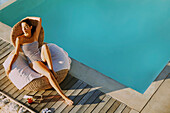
(46, 57)
(39, 67)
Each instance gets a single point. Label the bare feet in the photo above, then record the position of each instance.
(69, 102)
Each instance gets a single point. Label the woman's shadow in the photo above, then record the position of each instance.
(91, 97)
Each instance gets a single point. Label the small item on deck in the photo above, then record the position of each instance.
(30, 99)
(46, 110)
(27, 96)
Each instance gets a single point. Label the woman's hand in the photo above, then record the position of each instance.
(8, 70)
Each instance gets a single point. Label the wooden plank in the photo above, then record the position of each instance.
(89, 101)
(134, 111)
(77, 95)
(1, 41)
(68, 85)
(1, 44)
(95, 103)
(4, 43)
(17, 93)
(8, 51)
(2, 81)
(101, 104)
(120, 108)
(83, 100)
(6, 48)
(68, 93)
(67, 80)
(113, 107)
(6, 90)
(3, 75)
(2, 71)
(3, 59)
(126, 110)
(1, 66)
(7, 83)
(107, 106)
(11, 92)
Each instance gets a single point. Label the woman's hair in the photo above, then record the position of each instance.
(29, 23)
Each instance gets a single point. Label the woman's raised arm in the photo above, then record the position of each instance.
(38, 27)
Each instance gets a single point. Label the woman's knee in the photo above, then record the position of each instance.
(44, 47)
(43, 52)
(48, 74)
(39, 67)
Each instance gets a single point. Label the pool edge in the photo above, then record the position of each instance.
(115, 89)
(2, 6)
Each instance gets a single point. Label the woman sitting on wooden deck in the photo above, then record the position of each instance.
(37, 59)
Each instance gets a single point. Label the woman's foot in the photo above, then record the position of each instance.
(69, 102)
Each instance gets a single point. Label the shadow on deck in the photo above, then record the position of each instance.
(85, 97)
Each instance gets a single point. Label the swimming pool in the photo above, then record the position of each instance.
(125, 40)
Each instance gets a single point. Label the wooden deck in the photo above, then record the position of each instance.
(85, 97)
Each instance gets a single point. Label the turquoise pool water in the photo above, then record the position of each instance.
(126, 40)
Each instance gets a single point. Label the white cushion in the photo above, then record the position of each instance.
(21, 74)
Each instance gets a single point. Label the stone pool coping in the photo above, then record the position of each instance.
(130, 97)
(6, 4)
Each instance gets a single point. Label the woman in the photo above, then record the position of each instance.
(28, 42)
